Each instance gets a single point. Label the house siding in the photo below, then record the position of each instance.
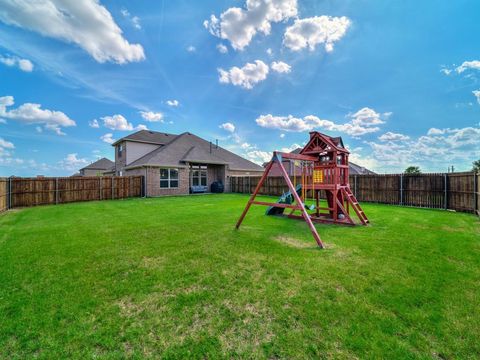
(91, 172)
(137, 150)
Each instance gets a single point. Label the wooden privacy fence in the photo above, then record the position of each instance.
(24, 192)
(453, 191)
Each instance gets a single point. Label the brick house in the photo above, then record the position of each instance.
(97, 168)
(177, 164)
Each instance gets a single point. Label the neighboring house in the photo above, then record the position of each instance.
(292, 169)
(98, 168)
(178, 164)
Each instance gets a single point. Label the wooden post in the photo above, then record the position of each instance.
(445, 191)
(113, 187)
(56, 191)
(100, 179)
(401, 189)
(252, 197)
(475, 194)
(9, 189)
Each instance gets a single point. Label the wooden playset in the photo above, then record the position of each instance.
(323, 166)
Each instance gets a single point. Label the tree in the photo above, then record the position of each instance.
(413, 170)
(476, 166)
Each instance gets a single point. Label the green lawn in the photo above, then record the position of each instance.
(171, 278)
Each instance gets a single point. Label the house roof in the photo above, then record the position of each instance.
(188, 147)
(148, 136)
(358, 170)
(102, 164)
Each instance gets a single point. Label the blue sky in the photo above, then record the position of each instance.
(398, 80)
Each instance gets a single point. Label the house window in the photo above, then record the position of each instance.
(199, 175)
(120, 150)
(168, 178)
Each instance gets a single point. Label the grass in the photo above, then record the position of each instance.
(171, 278)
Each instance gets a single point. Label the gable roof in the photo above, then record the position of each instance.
(102, 164)
(359, 170)
(188, 147)
(148, 136)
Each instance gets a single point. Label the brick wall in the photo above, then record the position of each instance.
(120, 162)
(153, 181)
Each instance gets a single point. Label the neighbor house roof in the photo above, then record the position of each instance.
(148, 136)
(102, 164)
(358, 170)
(190, 148)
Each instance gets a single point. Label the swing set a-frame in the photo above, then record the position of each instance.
(323, 165)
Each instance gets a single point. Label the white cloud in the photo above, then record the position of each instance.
(118, 122)
(269, 52)
(94, 124)
(475, 65)
(191, 48)
(30, 113)
(71, 162)
(152, 116)
(83, 22)
(247, 76)
(173, 103)
(316, 30)
(228, 127)
(362, 123)
(476, 93)
(108, 138)
(4, 144)
(290, 148)
(222, 49)
(368, 117)
(391, 136)
(23, 64)
(258, 156)
(239, 25)
(446, 71)
(280, 67)
(433, 151)
(282, 135)
(245, 146)
(135, 20)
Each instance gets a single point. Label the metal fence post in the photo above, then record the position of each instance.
(401, 189)
(56, 191)
(445, 191)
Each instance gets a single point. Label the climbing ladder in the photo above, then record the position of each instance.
(355, 205)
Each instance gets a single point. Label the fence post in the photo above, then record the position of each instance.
(355, 185)
(475, 194)
(401, 189)
(113, 187)
(9, 190)
(10, 193)
(100, 178)
(56, 191)
(445, 191)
